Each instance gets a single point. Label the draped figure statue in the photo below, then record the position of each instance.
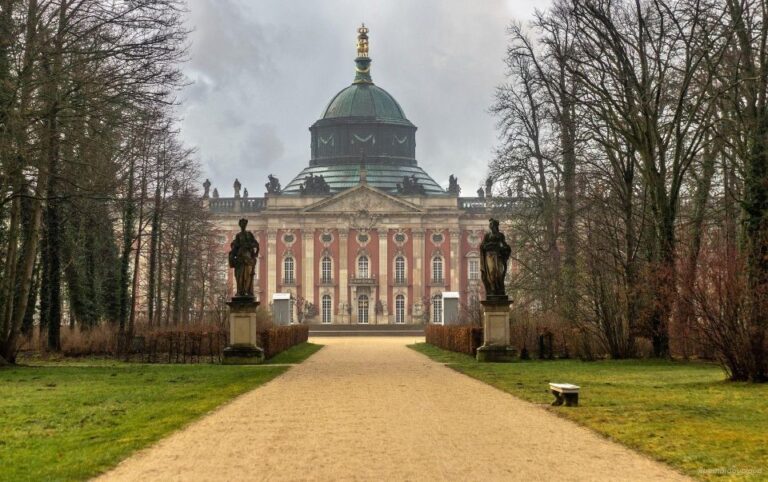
(494, 252)
(243, 253)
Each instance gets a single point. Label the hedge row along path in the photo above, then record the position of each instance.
(370, 408)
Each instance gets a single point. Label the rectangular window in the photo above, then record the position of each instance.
(325, 275)
(399, 269)
(437, 269)
(474, 268)
(288, 270)
(362, 267)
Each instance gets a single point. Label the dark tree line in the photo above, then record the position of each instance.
(636, 136)
(94, 183)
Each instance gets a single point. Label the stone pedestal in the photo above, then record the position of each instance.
(243, 346)
(496, 336)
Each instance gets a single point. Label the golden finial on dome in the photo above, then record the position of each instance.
(362, 41)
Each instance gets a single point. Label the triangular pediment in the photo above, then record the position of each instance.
(362, 198)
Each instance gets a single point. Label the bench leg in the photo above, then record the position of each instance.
(558, 398)
(571, 399)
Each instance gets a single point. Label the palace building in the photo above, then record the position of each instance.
(362, 233)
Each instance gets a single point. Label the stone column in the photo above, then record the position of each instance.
(418, 269)
(383, 270)
(343, 235)
(308, 265)
(455, 259)
(271, 263)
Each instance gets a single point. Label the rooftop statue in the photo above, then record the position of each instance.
(362, 41)
(480, 193)
(243, 253)
(410, 185)
(453, 185)
(494, 252)
(245, 193)
(237, 186)
(215, 193)
(273, 185)
(314, 185)
(488, 186)
(206, 188)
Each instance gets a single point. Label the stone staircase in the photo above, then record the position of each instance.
(366, 330)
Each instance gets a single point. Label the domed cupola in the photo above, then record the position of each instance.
(364, 120)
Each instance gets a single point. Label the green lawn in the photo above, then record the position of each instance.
(295, 354)
(684, 414)
(69, 420)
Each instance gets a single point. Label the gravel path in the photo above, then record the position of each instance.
(370, 408)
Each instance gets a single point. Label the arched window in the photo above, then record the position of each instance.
(437, 268)
(400, 309)
(399, 269)
(325, 270)
(288, 272)
(362, 309)
(326, 308)
(437, 309)
(362, 267)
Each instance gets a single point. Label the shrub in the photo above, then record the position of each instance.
(723, 304)
(279, 338)
(461, 338)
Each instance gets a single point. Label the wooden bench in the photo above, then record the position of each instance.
(565, 393)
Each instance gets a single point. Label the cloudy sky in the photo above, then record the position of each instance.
(262, 72)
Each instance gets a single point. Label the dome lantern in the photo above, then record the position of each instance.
(362, 62)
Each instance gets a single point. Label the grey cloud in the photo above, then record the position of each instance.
(263, 72)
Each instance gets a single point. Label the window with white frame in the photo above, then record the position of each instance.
(362, 267)
(437, 309)
(400, 269)
(362, 309)
(288, 270)
(325, 270)
(326, 305)
(400, 309)
(474, 268)
(437, 268)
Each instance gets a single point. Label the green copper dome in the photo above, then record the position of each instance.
(364, 125)
(364, 100)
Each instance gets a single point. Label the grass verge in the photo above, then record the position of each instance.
(295, 354)
(684, 414)
(71, 422)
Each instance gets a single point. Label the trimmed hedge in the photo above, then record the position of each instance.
(197, 344)
(279, 338)
(463, 338)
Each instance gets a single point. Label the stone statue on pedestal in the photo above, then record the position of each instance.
(494, 252)
(243, 253)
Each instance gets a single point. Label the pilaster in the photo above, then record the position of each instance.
(455, 259)
(383, 271)
(418, 269)
(271, 264)
(308, 265)
(343, 301)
